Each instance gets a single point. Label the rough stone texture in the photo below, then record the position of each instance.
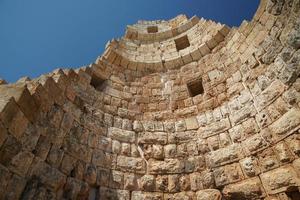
(128, 127)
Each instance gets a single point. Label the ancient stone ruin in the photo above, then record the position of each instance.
(185, 109)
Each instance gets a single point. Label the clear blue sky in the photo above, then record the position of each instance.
(37, 36)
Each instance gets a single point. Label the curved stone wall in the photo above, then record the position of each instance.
(126, 127)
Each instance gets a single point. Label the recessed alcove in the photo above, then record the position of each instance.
(195, 87)
(152, 29)
(97, 82)
(182, 42)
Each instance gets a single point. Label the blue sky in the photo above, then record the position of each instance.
(37, 36)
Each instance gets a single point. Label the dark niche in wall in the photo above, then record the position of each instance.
(152, 29)
(182, 42)
(97, 82)
(195, 87)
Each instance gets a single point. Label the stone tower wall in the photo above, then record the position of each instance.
(131, 127)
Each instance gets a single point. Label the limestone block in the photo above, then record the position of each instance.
(137, 195)
(73, 187)
(52, 89)
(228, 174)
(180, 137)
(294, 144)
(148, 126)
(8, 109)
(256, 142)
(291, 96)
(181, 195)
(137, 126)
(242, 114)
(116, 146)
(131, 164)
(153, 138)
(280, 179)
(157, 151)
(21, 163)
(55, 156)
(147, 183)
(23, 98)
(10, 149)
(180, 125)
(196, 163)
(125, 149)
(196, 55)
(275, 89)
(168, 166)
(103, 177)
(121, 135)
(18, 124)
(107, 193)
(214, 128)
(247, 189)
(170, 151)
(90, 174)
(104, 144)
(191, 123)
(79, 151)
(15, 187)
(49, 176)
(101, 159)
(116, 179)
(286, 124)
(209, 194)
(158, 126)
(169, 126)
(161, 183)
(224, 155)
(195, 181)
(173, 185)
(130, 182)
(213, 142)
(3, 133)
(250, 166)
(283, 153)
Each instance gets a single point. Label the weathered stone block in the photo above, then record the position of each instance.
(131, 164)
(153, 138)
(49, 176)
(242, 114)
(147, 183)
(121, 135)
(130, 182)
(209, 194)
(180, 137)
(137, 195)
(247, 189)
(214, 128)
(107, 193)
(250, 166)
(191, 123)
(228, 174)
(168, 166)
(275, 89)
(287, 123)
(279, 180)
(224, 155)
(21, 163)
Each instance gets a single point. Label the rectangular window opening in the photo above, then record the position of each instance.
(195, 87)
(97, 82)
(152, 29)
(182, 43)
